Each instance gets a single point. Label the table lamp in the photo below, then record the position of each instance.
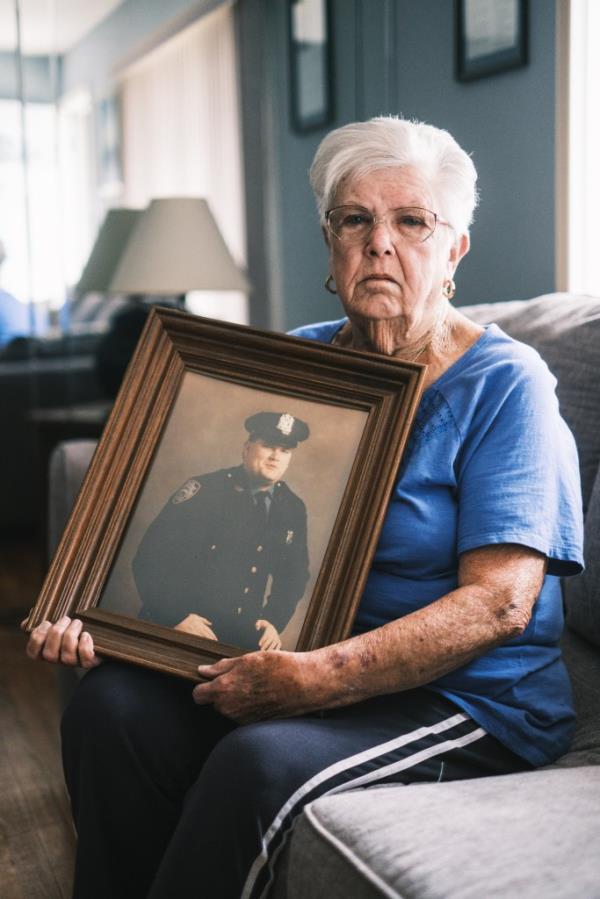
(113, 235)
(175, 246)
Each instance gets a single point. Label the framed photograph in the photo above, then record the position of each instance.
(235, 498)
(491, 36)
(310, 53)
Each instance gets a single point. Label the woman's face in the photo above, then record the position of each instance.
(386, 276)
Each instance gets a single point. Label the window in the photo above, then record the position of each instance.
(578, 146)
(181, 136)
(38, 190)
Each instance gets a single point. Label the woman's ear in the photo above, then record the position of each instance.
(459, 248)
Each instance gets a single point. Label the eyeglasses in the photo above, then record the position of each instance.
(354, 224)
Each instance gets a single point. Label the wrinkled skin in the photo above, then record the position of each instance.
(498, 588)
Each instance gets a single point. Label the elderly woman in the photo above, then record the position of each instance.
(453, 669)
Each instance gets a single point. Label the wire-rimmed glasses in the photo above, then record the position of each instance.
(354, 224)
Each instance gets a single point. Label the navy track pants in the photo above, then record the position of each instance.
(172, 800)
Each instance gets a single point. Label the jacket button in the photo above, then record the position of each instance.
(259, 548)
(239, 610)
(253, 569)
(246, 589)
(214, 546)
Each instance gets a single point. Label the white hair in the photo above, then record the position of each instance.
(357, 149)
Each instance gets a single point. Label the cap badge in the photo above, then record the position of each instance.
(289, 537)
(189, 490)
(285, 424)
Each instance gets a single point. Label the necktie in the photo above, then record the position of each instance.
(261, 505)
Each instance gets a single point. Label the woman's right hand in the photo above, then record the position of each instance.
(65, 641)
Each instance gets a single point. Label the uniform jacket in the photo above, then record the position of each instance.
(210, 551)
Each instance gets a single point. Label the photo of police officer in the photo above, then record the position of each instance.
(227, 557)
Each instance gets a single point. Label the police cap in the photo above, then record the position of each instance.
(277, 428)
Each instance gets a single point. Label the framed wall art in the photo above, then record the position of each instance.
(235, 498)
(491, 36)
(311, 64)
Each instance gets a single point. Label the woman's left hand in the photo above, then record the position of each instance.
(258, 685)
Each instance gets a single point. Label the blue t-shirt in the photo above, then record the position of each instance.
(489, 460)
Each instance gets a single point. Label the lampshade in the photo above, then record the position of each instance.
(174, 248)
(106, 252)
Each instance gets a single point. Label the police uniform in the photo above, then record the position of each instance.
(214, 552)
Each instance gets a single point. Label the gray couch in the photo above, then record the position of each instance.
(529, 835)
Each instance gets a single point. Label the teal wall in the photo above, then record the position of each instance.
(396, 56)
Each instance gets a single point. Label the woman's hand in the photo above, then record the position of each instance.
(65, 642)
(270, 638)
(197, 624)
(259, 685)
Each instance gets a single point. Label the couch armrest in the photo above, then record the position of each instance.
(528, 835)
(68, 464)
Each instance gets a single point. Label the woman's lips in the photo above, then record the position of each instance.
(379, 278)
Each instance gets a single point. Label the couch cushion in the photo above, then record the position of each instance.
(527, 835)
(583, 661)
(565, 330)
(582, 594)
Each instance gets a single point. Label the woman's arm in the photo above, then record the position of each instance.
(498, 586)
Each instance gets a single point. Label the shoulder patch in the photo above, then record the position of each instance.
(188, 491)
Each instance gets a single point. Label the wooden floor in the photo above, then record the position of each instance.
(36, 834)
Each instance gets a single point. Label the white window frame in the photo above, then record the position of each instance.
(577, 146)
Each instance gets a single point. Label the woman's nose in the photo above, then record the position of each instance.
(380, 240)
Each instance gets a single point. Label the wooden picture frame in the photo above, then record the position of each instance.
(193, 381)
(491, 36)
(311, 64)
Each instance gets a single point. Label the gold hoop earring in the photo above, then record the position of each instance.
(449, 288)
(328, 283)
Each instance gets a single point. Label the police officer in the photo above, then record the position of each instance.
(227, 556)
